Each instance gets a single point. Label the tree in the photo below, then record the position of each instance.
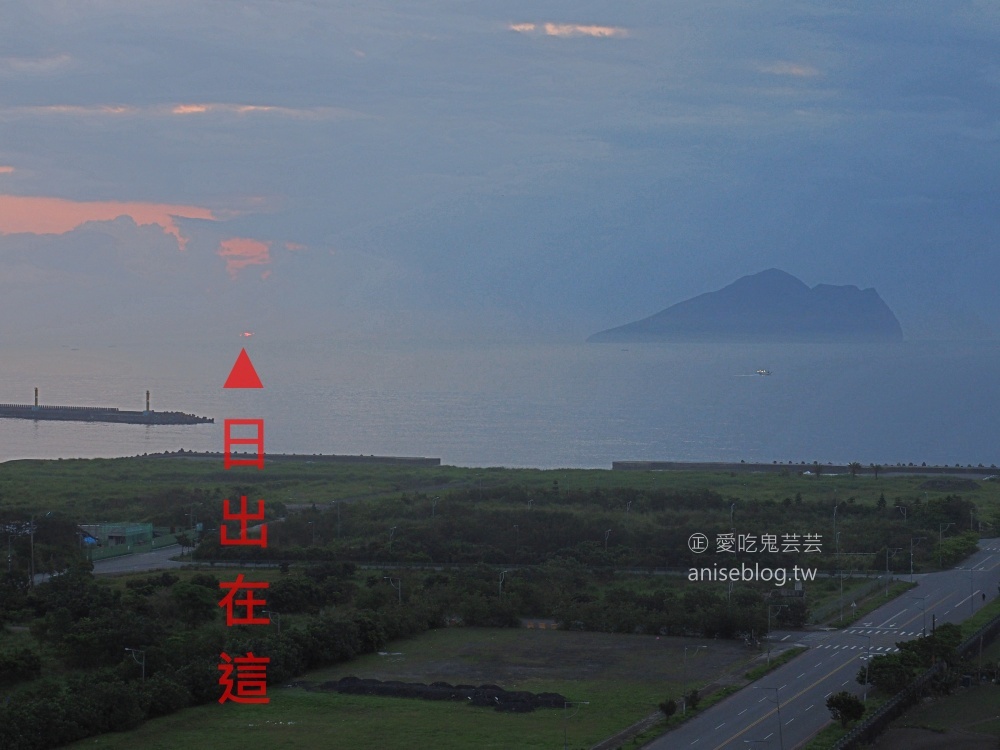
(692, 699)
(845, 707)
(855, 467)
(669, 707)
(876, 468)
(890, 673)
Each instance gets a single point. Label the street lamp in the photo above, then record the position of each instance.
(566, 718)
(867, 659)
(313, 531)
(923, 611)
(887, 552)
(912, 541)
(396, 583)
(902, 509)
(840, 574)
(696, 649)
(941, 529)
(502, 574)
(434, 504)
(780, 607)
(777, 702)
(133, 652)
(274, 617)
(392, 533)
(606, 535)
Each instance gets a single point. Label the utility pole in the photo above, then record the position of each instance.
(941, 529)
(912, 540)
(894, 551)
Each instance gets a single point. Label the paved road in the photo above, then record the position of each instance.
(785, 708)
(134, 563)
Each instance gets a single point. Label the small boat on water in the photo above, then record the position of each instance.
(763, 372)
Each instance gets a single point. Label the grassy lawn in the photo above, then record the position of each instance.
(621, 677)
(114, 488)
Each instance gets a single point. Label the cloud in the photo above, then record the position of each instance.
(182, 109)
(4, 169)
(569, 29)
(45, 215)
(33, 65)
(240, 252)
(785, 68)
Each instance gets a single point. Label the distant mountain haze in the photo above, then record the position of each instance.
(770, 306)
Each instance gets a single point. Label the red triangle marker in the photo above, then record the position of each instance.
(243, 375)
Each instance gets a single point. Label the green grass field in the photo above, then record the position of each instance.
(621, 678)
(115, 487)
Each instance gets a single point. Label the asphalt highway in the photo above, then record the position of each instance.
(787, 707)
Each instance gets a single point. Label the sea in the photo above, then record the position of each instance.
(544, 405)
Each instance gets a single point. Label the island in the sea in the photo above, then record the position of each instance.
(770, 306)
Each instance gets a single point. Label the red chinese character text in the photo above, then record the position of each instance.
(251, 678)
(243, 516)
(257, 440)
(248, 602)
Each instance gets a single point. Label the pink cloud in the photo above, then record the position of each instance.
(294, 246)
(569, 29)
(5, 169)
(240, 252)
(42, 215)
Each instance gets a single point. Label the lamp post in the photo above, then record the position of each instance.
(396, 583)
(606, 535)
(311, 523)
(780, 607)
(840, 574)
(274, 617)
(887, 552)
(867, 660)
(941, 529)
(777, 703)
(567, 717)
(142, 662)
(503, 573)
(923, 612)
(902, 509)
(392, 533)
(913, 540)
(434, 504)
(695, 649)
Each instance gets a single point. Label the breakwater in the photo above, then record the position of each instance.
(311, 458)
(97, 414)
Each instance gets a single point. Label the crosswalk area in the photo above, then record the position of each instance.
(862, 647)
(893, 631)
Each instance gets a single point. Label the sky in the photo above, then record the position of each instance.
(435, 169)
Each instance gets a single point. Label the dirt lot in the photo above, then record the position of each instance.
(966, 720)
(515, 656)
